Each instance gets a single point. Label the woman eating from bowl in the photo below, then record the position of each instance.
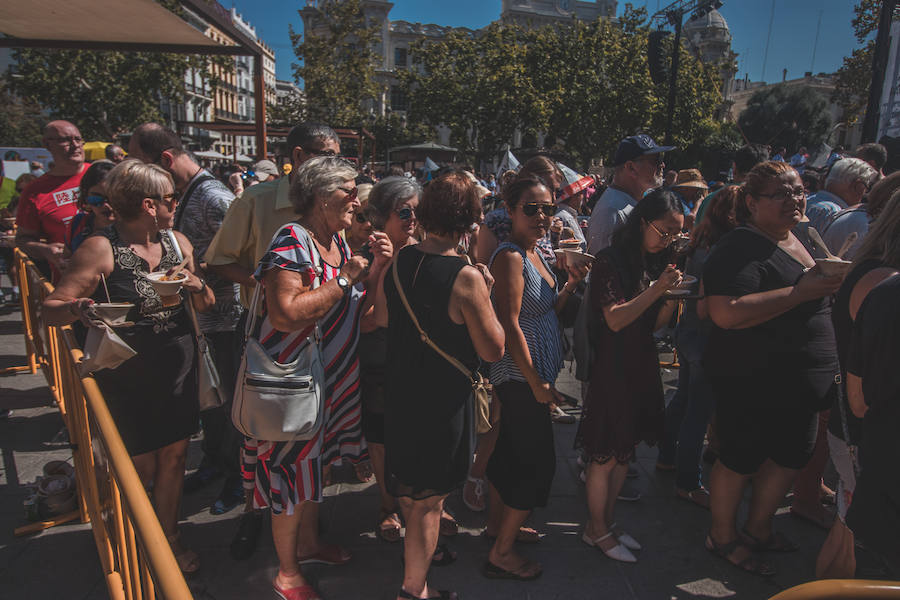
(525, 296)
(771, 360)
(153, 395)
(624, 403)
(309, 277)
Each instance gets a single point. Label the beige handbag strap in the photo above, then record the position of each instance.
(461, 367)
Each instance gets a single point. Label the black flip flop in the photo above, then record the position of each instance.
(442, 595)
(448, 556)
(492, 571)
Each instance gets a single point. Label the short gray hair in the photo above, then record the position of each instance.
(389, 193)
(848, 170)
(318, 177)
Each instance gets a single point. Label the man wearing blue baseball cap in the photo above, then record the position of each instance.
(638, 167)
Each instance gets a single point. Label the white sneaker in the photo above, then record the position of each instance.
(618, 552)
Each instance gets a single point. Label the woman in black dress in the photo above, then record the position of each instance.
(152, 396)
(429, 413)
(392, 208)
(771, 360)
(624, 403)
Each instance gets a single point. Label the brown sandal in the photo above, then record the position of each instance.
(388, 528)
(187, 560)
(449, 526)
(700, 496)
(750, 563)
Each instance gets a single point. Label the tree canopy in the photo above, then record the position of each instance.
(105, 93)
(786, 116)
(851, 91)
(336, 63)
(585, 85)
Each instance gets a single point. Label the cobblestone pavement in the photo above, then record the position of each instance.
(62, 562)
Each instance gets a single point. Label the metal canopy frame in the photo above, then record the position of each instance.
(110, 24)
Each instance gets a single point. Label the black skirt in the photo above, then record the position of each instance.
(153, 396)
(524, 459)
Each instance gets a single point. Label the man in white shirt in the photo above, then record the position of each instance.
(848, 182)
(638, 167)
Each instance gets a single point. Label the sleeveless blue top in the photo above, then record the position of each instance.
(537, 319)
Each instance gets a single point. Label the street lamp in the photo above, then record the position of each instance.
(673, 14)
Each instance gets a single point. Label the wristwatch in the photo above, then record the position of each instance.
(343, 283)
(203, 286)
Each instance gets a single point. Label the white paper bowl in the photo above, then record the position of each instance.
(166, 288)
(831, 267)
(114, 313)
(575, 258)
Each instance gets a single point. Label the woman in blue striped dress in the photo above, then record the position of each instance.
(310, 278)
(526, 300)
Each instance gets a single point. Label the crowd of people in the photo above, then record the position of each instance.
(786, 351)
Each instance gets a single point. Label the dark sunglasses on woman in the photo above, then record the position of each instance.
(405, 214)
(530, 209)
(96, 200)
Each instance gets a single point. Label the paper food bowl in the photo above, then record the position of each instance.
(575, 258)
(114, 313)
(166, 288)
(687, 282)
(831, 267)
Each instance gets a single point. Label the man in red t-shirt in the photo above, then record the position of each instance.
(51, 201)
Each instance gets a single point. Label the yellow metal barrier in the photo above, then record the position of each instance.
(842, 589)
(134, 554)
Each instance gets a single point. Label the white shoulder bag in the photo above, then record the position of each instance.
(274, 401)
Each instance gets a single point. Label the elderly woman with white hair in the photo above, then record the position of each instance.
(309, 277)
(846, 185)
(153, 395)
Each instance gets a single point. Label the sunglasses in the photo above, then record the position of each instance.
(361, 218)
(664, 237)
(531, 208)
(96, 200)
(405, 214)
(351, 192)
(319, 152)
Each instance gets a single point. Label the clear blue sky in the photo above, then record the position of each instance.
(791, 45)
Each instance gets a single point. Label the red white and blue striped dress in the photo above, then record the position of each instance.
(283, 474)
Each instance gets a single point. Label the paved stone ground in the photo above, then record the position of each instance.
(62, 562)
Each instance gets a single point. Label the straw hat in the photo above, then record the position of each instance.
(690, 178)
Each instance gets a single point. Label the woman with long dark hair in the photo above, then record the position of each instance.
(624, 403)
(688, 413)
(527, 301)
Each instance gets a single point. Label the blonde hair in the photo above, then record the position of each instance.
(882, 242)
(131, 181)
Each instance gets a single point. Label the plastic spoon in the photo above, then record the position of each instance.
(178, 269)
(851, 239)
(821, 243)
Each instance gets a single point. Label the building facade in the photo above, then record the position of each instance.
(232, 99)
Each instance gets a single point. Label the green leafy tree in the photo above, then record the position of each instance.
(853, 79)
(337, 57)
(584, 85)
(21, 121)
(106, 93)
(786, 116)
(289, 113)
(103, 93)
